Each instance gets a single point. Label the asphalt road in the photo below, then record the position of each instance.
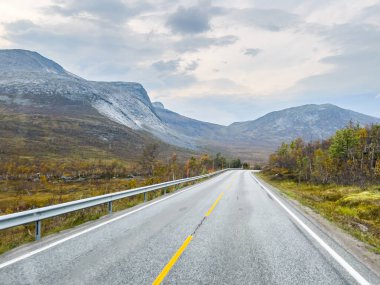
(227, 230)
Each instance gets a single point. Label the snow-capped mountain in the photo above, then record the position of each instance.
(34, 84)
(26, 77)
(309, 122)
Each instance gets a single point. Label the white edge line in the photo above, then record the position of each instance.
(24, 256)
(360, 279)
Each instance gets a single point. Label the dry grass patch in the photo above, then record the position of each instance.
(352, 208)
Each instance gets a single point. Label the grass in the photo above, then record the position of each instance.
(353, 209)
(59, 192)
(80, 133)
(18, 196)
(50, 156)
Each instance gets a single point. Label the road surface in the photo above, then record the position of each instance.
(226, 230)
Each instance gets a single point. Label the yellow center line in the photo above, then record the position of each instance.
(172, 261)
(179, 252)
(213, 205)
(230, 185)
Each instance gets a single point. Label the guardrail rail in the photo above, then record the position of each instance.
(39, 214)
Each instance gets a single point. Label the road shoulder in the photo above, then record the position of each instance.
(353, 246)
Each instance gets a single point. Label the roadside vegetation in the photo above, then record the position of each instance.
(338, 177)
(30, 182)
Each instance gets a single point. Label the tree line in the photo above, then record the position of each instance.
(150, 164)
(173, 168)
(350, 156)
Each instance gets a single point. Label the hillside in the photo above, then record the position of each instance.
(48, 113)
(309, 122)
(29, 80)
(45, 107)
(254, 140)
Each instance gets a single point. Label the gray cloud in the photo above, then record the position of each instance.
(269, 19)
(99, 53)
(356, 66)
(167, 75)
(166, 66)
(252, 51)
(192, 20)
(113, 11)
(282, 4)
(192, 66)
(21, 26)
(178, 81)
(195, 43)
(371, 13)
(26, 33)
(170, 81)
(351, 37)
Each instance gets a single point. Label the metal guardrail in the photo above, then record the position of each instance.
(39, 214)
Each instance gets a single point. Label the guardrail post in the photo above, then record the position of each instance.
(17, 219)
(38, 230)
(164, 191)
(110, 207)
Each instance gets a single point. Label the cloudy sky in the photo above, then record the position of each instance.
(218, 61)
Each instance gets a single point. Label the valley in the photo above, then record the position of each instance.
(119, 117)
(64, 138)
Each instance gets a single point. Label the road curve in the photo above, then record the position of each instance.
(226, 230)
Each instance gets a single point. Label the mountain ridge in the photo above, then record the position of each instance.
(27, 76)
(310, 122)
(31, 83)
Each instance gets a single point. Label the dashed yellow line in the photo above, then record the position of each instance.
(179, 252)
(230, 185)
(172, 261)
(214, 205)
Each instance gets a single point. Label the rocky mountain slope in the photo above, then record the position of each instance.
(48, 113)
(186, 126)
(263, 135)
(29, 79)
(310, 122)
(32, 85)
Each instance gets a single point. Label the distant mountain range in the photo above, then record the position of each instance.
(256, 138)
(310, 122)
(31, 84)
